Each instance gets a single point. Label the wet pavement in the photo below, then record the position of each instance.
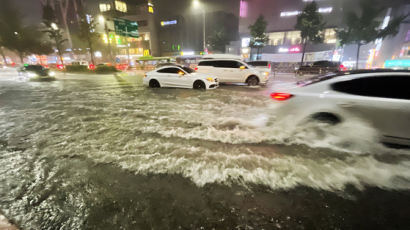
(104, 152)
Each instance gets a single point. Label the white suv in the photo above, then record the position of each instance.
(233, 71)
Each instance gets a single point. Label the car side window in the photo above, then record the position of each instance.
(228, 64)
(395, 87)
(206, 63)
(169, 70)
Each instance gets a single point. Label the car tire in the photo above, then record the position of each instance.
(252, 81)
(154, 84)
(199, 85)
(325, 117)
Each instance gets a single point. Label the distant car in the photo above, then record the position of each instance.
(35, 72)
(379, 97)
(321, 67)
(179, 77)
(167, 64)
(233, 71)
(261, 65)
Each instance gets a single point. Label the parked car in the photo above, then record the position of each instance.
(233, 71)
(321, 67)
(179, 77)
(380, 97)
(35, 72)
(261, 65)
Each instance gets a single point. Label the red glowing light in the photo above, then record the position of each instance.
(280, 96)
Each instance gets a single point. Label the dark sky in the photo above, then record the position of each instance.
(30, 9)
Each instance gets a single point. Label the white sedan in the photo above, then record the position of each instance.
(379, 97)
(179, 77)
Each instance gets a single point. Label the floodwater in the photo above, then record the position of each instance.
(104, 152)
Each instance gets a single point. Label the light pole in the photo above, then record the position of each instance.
(197, 5)
(102, 20)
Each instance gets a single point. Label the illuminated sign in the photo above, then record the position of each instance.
(243, 9)
(245, 42)
(292, 49)
(289, 13)
(167, 23)
(325, 10)
(322, 10)
(398, 63)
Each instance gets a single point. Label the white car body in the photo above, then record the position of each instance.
(358, 95)
(232, 71)
(180, 79)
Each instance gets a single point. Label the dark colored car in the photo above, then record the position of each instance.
(321, 67)
(32, 71)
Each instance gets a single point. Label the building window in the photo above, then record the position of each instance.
(121, 6)
(330, 36)
(293, 37)
(276, 38)
(142, 23)
(105, 7)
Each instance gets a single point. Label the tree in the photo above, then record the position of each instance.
(42, 48)
(218, 40)
(53, 30)
(364, 27)
(14, 35)
(258, 34)
(87, 32)
(311, 26)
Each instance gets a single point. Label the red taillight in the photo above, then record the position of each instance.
(342, 68)
(196, 68)
(269, 66)
(91, 67)
(280, 96)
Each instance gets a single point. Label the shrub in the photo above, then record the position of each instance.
(105, 69)
(77, 68)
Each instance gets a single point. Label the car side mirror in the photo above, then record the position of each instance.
(242, 67)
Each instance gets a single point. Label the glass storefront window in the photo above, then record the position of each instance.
(293, 37)
(276, 38)
(330, 36)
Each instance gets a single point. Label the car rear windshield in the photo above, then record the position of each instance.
(35, 67)
(317, 79)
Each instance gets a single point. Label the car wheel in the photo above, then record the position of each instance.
(252, 81)
(199, 85)
(154, 84)
(328, 118)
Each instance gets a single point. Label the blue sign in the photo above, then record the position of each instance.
(167, 23)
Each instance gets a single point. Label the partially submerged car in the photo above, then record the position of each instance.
(179, 77)
(36, 72)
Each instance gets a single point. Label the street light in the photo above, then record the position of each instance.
(102, 20)
(54, 26)
(197, 5)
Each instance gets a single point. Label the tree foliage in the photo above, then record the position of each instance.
(17, 37)
(364, 27)
(54, 32)
(310, 23)
(88, 33)
(218, 40)
(258, 33)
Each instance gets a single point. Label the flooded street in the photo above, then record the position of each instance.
(104, 152)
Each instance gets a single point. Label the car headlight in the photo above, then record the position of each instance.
(266, 73)
(32, 75)
(210, 79)
(52, 74)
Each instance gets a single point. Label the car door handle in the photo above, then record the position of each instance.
(346, 104)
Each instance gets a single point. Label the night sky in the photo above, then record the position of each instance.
(30, 9)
